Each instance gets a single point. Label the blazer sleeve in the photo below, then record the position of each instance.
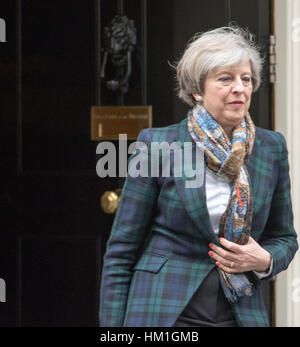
(279, 237)
(128, 235)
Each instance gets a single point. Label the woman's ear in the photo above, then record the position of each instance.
(197, 97)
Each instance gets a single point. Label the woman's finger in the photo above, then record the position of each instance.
(223, 253)
(220, 259)
(233, 247)
(227, 268)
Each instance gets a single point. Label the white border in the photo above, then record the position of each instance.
(287, 121)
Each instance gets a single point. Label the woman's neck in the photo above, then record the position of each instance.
(228, 131)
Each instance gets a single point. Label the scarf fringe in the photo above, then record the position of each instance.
(233, 293)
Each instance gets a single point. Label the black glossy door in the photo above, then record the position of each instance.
(53, 229)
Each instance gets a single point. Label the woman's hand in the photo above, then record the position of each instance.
(236, 258)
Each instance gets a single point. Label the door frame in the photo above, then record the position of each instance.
(287, 105)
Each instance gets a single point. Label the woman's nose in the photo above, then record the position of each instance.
(238, 86)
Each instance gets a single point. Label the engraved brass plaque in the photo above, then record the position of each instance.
(107, 122)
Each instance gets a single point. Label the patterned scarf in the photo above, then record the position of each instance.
(228, 159)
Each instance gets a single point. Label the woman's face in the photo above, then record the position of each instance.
(227, 94)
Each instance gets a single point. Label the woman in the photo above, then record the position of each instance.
(181, 256)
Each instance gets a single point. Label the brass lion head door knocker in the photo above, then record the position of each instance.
(119, 43)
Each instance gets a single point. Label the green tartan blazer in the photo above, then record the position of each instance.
(157, 253)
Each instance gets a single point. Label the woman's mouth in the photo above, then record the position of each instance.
(237, 103)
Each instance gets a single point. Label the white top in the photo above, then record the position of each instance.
(218, 192)
(217, 197)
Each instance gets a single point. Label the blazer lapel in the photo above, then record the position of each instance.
(194, 199)
(257, 180)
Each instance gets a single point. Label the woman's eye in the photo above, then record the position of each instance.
(228, 79)
(247, 79)
(224, 79)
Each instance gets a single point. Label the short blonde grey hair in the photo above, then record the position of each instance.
(225, 46)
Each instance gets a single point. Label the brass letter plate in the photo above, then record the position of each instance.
(107, 122)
